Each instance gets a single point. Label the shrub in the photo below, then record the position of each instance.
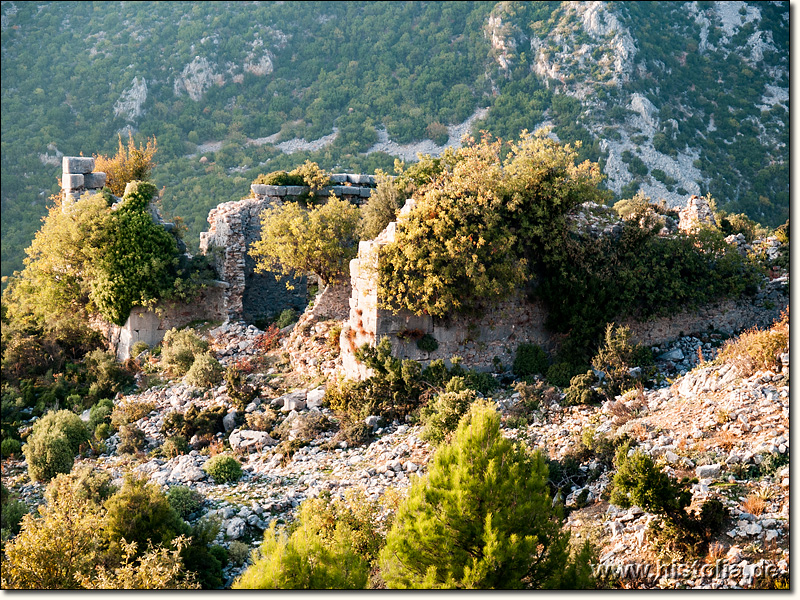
(10, 447)
(131, 439)
(194, 421)
(317, 555)
(130, 412)
(561, 373)
(184, 500)
(204, 372)
(240, 392)
(582, 390)
(179, 349)
(354, 434)
(53, 443)
(286, 318)
(55, 549)
(427, 343)
(175, 445)
(458, 529)
(11, 512)
(261, 421)
(129, 164)
(616, 357)
(139, 347)
(381, 208)
(757, 349)
(83, 483)
(223, 469)
(441, 417)
(107, 375)
(529, 360)
(140, 512)
(279, 178)
(100, 413)
(238, 553)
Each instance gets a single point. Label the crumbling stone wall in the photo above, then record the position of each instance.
(150, 325)
(507, 324)
(78, 178)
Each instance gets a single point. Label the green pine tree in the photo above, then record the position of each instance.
(482, 518)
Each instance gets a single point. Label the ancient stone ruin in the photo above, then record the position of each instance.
(78, 178)
(495, 336)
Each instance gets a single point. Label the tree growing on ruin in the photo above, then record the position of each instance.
(130, 163)
(295, 241)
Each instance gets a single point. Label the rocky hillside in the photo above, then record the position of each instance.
(721, 422)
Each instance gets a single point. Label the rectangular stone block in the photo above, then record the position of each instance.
(260, 189)
(77, 164)
(94, 181)
(339, 178)
(296, 190)
(71, 181)
(365, 192)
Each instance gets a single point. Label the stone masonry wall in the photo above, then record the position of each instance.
(77, 178)
(504, 326)
(150, 325)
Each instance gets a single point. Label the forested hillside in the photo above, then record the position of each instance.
(672, 98)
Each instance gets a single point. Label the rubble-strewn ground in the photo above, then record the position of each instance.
(730, 433)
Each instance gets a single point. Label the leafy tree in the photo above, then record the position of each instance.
(129, 164)
(382, 207)
(52, 445)
(140, 512)
(479, 229)
(56, 547)
(481, 518)
(295, 241)
(158, 568)
(318, 554)
(180, 347)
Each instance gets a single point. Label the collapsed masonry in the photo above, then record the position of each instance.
(496, 335)
(240, 293)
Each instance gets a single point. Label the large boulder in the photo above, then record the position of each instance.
(248, 440)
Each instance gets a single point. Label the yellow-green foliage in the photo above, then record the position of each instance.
(382, 207)
(223, 469)
(157, 569)
(324, 551)
(758, 349)
(482, 518)
(204, 372)
(179, 350)
(295, 241)
(481, 224)
(140, 512)
(52, 445)
(90, 258)
(133, 163)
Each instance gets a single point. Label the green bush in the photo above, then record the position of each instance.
(180, 348)
(195, 421)
(457, 528)
(529, 360)
(131, 439)
(238, 553)
(240, 392)
(11, 512)
(286, 318)
(10, 447)
(53, 443)
(320, 553)
(184, 500)
(130, 412)
(279, 178)
(223, 469)
(106, 374)
(140, 512)
(100, 413)
(616, 357)
(204, 372)
(428, 343)
(441, 417)
(561, 373)
(582, 390)
(139, 347)
(381, 208)
(175, 445)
